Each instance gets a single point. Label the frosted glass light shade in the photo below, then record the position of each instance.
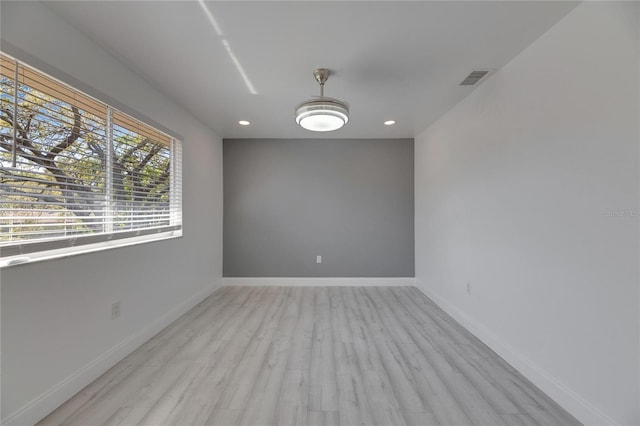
(322, 115)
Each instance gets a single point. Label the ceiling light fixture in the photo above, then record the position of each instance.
(322, 114)
(389, 122)
(243, 123)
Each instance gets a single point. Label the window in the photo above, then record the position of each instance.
(75, 171)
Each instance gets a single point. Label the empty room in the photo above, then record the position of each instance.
(319, 213)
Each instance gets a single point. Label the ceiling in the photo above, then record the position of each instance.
(240, 60)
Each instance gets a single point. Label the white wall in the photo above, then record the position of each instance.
(57, 334)
(513, 187)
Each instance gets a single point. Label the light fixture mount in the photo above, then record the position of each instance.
(321, 75)
(322, 114)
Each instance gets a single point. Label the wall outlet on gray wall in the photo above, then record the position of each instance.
(318, 259)
(115, 310)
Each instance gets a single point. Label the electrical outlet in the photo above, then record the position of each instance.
(468, 288)
(318, 259)
(115, 310)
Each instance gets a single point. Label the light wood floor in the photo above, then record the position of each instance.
(314, 355)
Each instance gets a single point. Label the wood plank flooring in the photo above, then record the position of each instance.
(312, 356)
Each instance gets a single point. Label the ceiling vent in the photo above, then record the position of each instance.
(474, 77)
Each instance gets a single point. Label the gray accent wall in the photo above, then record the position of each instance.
(287, 201)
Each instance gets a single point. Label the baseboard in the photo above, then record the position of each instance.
(318, 281)
(580, 408)
(48, 401)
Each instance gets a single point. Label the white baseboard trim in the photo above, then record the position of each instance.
(52, 398)
(580, 408)
(318, 282)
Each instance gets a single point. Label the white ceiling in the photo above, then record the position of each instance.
(390, 60)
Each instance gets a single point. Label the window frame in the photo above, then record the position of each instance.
(43, 248)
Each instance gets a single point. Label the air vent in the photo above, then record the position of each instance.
(474, 77)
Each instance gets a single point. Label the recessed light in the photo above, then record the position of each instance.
(243, 123)
(389, 122)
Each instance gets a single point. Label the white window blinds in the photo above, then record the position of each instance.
(75, 171)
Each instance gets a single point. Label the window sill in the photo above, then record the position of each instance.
(17, 260)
